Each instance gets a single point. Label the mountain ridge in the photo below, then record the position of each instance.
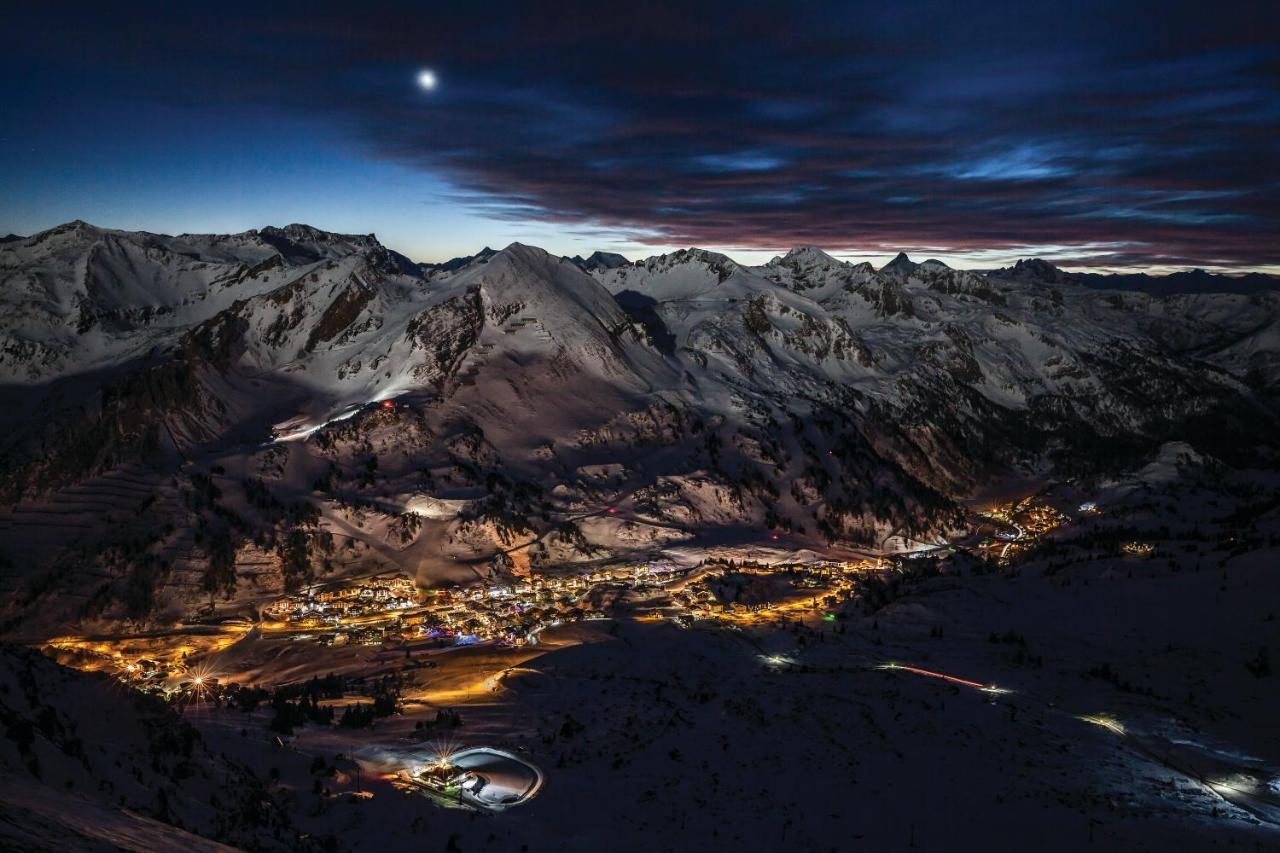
(280, 400)
(601, 261)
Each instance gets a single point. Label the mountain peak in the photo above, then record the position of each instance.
(517, 245)
(693, 253)
(527, 253)
(1034, 270)
(598, 261)
(461, 261)
(301, 243)
(294, 230)
(302, 233)
(900, 265)
(808, 268)
(723, 264)
(75, 226)
(1036, 264)
(808, 255)
(532, 263)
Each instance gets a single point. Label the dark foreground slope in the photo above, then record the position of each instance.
(90, 765)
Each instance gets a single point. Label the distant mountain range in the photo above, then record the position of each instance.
(1036, 271)
(212, 418)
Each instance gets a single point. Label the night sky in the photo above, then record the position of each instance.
(1101, 135)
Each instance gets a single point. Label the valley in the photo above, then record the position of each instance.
(785, 555)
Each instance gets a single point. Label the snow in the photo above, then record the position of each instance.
(700, 738)
(1125, 716)
(521, 364)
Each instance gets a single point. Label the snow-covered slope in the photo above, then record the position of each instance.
(80, 298)
(284, 391)
(89, 765)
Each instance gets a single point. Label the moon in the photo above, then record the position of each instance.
(427, 79)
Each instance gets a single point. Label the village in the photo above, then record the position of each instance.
(514, 611)
(1018, 525)
(387, 610)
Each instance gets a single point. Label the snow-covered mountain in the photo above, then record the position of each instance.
(219, 415)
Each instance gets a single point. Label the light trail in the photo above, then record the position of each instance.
(1242, 790)
(964, 682)
(304, 432)
(1106, 721)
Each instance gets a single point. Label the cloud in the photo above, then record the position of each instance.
(858, 127)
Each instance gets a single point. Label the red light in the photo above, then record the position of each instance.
(612, 510)
(918, 671)
(774, 537)
(388, 404)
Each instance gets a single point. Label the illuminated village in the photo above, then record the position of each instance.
(388, 611)
(1019, 525)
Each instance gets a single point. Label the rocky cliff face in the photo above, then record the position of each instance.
(203, 418)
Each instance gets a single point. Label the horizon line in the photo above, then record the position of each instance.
(846, 255)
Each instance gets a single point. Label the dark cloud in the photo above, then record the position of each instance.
(1152, 132)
